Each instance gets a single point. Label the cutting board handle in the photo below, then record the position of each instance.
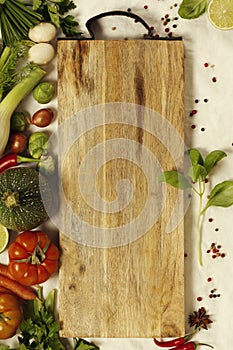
(118, 13)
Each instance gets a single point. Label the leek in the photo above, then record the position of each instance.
(14, 97)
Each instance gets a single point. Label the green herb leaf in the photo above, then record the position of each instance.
(190, 9)
(54, 11)
(82, 344)
(212, 159)
(221, 195)
(174, 178)
(197, 171)
(195, 157)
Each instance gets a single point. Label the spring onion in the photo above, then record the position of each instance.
(16, 18)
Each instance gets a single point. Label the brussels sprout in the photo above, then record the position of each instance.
(47, 165)
(19, 122)
(38, 144)
(44, 92)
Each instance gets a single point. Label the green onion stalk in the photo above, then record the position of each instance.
(14, 97)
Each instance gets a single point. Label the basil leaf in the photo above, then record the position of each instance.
(212, 159)
(190, 9)
(175, 179)
(195, 157)
(221, 195)
(197, 171)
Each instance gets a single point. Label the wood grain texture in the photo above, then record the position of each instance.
(137, 289)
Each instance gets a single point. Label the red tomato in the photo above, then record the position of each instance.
(10, 315)
(33, 258)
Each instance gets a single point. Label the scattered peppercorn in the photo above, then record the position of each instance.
(213, 294)
(193, 126)
(199, 298)
(214, 79)
(202, 129)
(215, 250)
(206, 64)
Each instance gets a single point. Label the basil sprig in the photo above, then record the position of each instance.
(220, 196)
(190, 9)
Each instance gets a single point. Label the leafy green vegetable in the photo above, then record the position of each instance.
(220, 196)
(212, 159)
(197, 171)
(39, 330)
(16, 18)
(81, 344)
(190, 9)
(29, 78)
(54, 11)
(175, 179)
(195, 156)
(9, 59)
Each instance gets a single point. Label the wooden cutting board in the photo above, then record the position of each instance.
(134, 285)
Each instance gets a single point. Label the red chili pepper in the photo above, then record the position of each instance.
(8, 161)
(13, 159)
(190, 346)
(175, 342)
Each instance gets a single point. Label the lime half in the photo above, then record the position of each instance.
(4, 238)
(220, 13)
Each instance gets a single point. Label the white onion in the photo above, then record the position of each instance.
(41, 53)
(42, 32)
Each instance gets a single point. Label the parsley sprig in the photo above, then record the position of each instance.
(56, 12)
(39, 329)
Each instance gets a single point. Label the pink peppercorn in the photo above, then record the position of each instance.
(206, 64)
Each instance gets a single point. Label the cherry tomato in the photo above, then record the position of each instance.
(33, 258)
(10, 315)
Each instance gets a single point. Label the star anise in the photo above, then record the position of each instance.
(199, 319)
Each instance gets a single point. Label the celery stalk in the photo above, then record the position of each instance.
(13, 98)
